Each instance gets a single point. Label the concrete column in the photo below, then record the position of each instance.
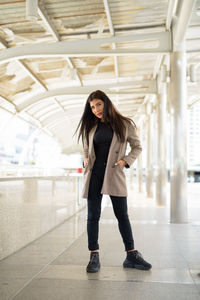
(161, 174)
(178, 172)
(149, 166)
(131, 177)
(53, 188)
(139, 167)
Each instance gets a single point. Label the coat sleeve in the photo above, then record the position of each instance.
(85, 148)
(135, 145)
(85, 151)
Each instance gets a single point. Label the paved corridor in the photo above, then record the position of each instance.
(53, 266)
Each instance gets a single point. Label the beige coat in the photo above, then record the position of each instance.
(114, 179)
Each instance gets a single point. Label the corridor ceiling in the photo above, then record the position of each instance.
(49, 66)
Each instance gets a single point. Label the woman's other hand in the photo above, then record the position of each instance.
(85, 162)
(121, 163)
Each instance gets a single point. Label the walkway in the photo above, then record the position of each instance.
(53, 267)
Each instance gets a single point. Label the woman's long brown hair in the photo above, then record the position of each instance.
(110, 116)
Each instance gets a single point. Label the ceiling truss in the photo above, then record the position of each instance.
(75, 48)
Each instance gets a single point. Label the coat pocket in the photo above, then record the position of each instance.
(120, 167)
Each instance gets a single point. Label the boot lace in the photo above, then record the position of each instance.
(138, 255)
(93, 259)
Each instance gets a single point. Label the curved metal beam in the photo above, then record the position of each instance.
(7, 105)
(143, 87)
(91, 47)
(58, 115)
(55, 123)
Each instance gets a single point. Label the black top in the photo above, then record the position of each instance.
(102, 140)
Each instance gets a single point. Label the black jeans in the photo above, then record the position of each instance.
(94, 211)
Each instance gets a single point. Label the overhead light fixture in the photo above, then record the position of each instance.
(32, 10)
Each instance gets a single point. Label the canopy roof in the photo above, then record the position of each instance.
(50, 65)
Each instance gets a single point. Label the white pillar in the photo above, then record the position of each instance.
(131, 177)
(139, 167)
(178, 173)
(149, 166)
(140, 174)
(161, 174)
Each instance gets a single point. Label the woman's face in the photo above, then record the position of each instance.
(97, 107)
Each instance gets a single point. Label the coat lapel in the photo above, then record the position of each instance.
(113, 146)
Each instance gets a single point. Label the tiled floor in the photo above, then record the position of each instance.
(53, 267)
(30, 208)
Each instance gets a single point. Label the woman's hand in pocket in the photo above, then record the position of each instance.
(120, 163)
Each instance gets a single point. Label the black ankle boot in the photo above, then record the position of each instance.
(134, 260)
(94, 264)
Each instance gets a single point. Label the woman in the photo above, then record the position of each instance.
(105, 133)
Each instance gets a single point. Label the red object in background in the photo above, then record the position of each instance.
(79, 170)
